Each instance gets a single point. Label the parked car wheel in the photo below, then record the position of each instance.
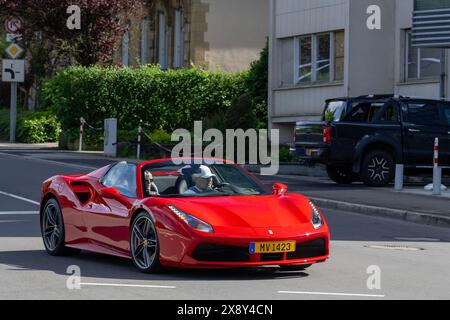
(378, 168)
(341, 175)
(53, 231)
(144, 244)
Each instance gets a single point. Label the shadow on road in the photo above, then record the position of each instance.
(101, 266)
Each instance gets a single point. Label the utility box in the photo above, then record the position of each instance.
(110, 147)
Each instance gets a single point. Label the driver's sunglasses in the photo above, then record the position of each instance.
(149, 180)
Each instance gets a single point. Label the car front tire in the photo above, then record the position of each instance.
(144, 244)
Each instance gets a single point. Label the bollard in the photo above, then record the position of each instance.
(399, 173)
(82, 122)
(437, 172)
(139, 142)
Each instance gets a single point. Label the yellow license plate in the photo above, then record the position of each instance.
(272, 247)
(309, 152)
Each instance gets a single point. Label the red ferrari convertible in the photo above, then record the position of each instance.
(212, 214)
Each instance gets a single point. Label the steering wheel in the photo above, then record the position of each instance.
(225, 185)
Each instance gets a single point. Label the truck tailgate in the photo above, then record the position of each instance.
(309, 139)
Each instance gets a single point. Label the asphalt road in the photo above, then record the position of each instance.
(412, 259)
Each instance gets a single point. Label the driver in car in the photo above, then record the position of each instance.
(203, 182)
(152, 189)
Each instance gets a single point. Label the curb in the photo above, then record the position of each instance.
(410, 216)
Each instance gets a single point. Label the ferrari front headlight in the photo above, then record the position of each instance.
(316, 217)
(191, 221)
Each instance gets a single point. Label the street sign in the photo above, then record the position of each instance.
(431, 24)
(13, 70)
(14, 51)
(12, 25)
(13, 37)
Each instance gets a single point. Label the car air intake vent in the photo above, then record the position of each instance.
(310, 249)
(220, 253)
(271, 256)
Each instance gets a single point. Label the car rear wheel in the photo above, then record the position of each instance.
(341, 174)
(378, 168)
(144, 244)
(53, 231)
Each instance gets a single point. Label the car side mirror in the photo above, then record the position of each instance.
(279, 189)
(109, 193)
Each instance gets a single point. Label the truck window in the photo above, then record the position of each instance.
(364, 111)
(389, 114)
(423, 114)
(447, 114)
(334, 111)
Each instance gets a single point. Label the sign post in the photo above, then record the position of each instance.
(13, 70)
(13, 113)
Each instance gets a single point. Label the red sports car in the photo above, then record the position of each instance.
(160, 213)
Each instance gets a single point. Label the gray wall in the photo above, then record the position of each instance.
(371, 54)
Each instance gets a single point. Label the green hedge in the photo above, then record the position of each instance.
(163, 100)
(32, 127)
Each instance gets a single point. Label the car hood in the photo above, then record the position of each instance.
(247, 211)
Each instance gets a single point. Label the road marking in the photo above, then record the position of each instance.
(394, 247)
(6, 213)
(127, 285)
(334, 294)
(417, 239)
(19, 197)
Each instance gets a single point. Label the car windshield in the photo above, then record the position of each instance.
(334, 111)
(207, 180)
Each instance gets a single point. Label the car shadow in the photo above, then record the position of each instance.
(100, 266)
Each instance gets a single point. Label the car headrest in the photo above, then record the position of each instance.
(182, 185)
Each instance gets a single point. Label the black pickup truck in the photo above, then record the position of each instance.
(365, 137)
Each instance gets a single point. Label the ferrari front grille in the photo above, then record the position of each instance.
(309, 249)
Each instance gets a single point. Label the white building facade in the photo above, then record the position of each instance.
(322, 49)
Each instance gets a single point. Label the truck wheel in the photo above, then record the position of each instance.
(341, 175)
(377, 168)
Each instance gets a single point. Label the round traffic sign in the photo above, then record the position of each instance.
(12, 25)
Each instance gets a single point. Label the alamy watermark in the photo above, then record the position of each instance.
(374, 280)
(73, 282)
(190, 147)
(74, 20)
(374, 20)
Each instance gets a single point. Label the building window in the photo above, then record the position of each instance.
(319, 57)
(144, 40)
(126, 49)
(421, 63)
(178, 40)
(162, 50)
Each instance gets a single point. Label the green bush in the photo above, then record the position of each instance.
(163, 100)
(241, 115)
(32, 127)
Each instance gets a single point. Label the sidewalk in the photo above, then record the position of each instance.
(25, 146)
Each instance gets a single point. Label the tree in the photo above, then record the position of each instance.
(45, 26)
(51, 45)
(241, 114)
(257, 84)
